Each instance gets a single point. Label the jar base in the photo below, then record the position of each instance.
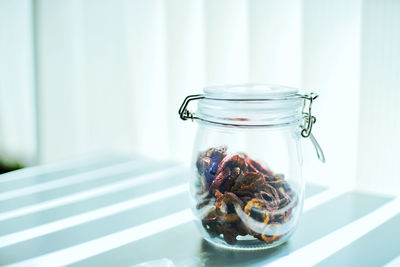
(249, 245)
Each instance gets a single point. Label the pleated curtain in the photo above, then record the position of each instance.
(82, 76)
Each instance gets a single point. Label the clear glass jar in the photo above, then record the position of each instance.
(246, 184)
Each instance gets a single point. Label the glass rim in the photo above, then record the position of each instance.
(251, 92)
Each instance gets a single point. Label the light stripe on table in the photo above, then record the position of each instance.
(93, 243)
(376, 248)
(35, 198)
(322, 197)
(52, 176)
(115, 187)
(73, 179)
(58, 213)
(331, 243)
(51, 227)
(24, 235)
(312, 189)
(77, 162)
(393, 263)
(94, 247)
(188, 244)
(109, 188)
(93, 230)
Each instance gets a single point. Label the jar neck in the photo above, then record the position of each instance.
(255, 113)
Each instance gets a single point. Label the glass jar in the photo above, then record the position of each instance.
(246, 184)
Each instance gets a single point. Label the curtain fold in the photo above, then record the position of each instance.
(18, 139)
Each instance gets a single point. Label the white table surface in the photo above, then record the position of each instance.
(113, 210)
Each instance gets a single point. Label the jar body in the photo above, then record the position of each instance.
(246, 184)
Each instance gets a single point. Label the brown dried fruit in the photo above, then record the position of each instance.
(226, 205)
(236, 183)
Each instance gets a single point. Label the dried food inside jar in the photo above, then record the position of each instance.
(208, 161)
(240, 186)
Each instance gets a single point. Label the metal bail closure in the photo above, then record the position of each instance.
(309, 120)
(184, 113)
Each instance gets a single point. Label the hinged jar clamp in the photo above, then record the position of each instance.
(184, 113)
(309, 119)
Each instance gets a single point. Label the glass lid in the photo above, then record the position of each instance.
(250, 105)
(250, 92)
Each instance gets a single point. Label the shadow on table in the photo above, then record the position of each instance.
(214, 256)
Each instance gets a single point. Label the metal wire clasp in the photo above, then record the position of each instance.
(184, 113)
(309, 119)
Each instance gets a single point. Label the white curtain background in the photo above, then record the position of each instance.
(82, 76)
